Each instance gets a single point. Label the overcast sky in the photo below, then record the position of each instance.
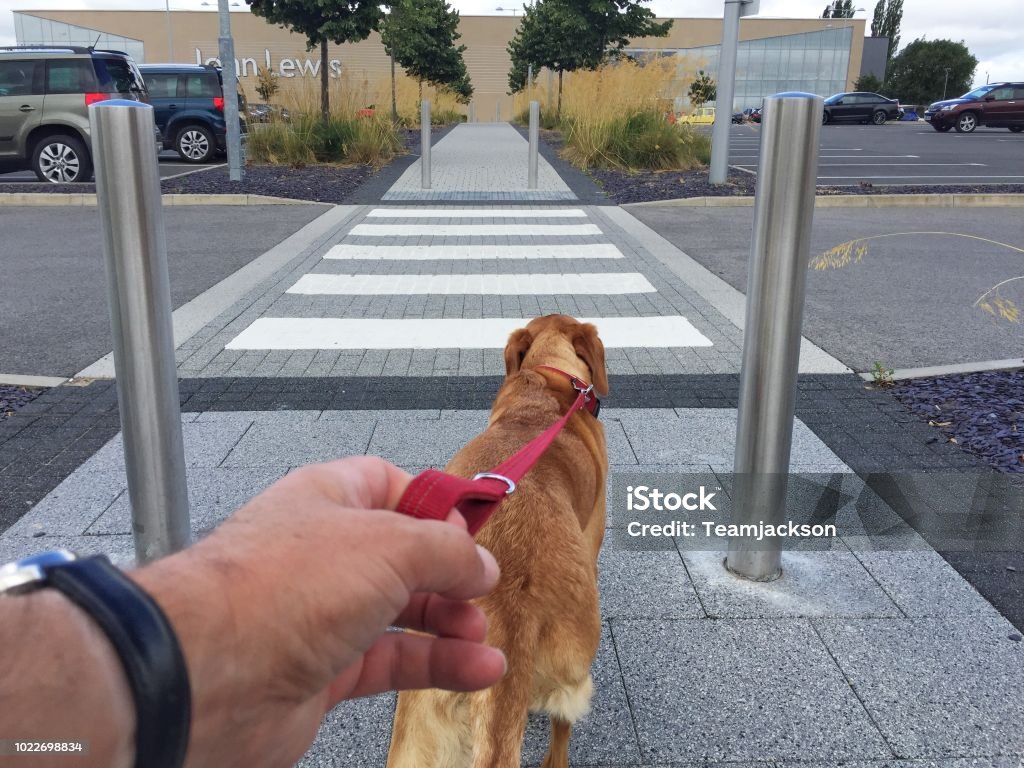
(987, 27)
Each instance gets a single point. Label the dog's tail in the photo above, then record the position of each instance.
(431, 730)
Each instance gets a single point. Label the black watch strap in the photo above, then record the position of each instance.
(148, 648)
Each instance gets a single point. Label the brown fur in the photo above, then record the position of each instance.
(544, 613)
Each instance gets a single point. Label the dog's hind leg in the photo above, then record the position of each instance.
(566, 706)
(558, 747)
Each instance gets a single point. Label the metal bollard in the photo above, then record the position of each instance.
(780, 252)
(534, 142)
(138, 287)
(425, 144)
(497, 112)
(472, 112)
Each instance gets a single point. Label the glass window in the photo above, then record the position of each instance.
(162, 86)
(1018, 92)
(1001, 94)
(17, 77)
(204, 85)
(118, 76)
(31, 30)
(70, 76)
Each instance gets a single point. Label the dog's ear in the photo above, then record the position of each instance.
(591, 351)
(515, 350)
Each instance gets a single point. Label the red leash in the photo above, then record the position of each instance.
(432, 494)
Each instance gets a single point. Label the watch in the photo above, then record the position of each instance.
(141, 635)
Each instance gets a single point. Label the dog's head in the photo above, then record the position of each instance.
(560, 341)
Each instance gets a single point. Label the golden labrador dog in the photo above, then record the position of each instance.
(544, 613)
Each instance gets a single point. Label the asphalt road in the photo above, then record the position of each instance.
(53, 307)
(900, 154)
(170, 165)
(908, 302)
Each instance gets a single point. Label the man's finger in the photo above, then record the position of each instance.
(443, 617)
(367, 482)
(401, 661)
(431, 556)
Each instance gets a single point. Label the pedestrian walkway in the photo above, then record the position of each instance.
(480, 161)
(385, 337)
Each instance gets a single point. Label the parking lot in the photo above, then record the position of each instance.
(170, 165)
(901, 154)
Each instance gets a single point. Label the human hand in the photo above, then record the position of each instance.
(282, 611)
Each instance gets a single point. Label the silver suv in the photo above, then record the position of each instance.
(45, 93)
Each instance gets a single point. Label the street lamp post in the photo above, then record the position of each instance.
(946, 82)
(515, 12)
(170, 35)
(734, 9)
(230, 82)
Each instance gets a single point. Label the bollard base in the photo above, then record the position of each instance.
(774, 576)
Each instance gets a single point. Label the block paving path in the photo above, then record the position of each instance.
(384, 337)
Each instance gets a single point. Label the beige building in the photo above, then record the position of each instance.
(815, 55)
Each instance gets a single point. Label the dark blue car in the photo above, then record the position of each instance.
(188, 103)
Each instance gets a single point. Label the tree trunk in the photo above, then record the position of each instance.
(558, 112)
(325, 98)
(394, 98)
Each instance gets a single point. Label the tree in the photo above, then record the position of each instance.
(266, 84)
(867, 82)
(702, 90)
(567, 35)
(918, 73)
(840, 9)
(420, 35)
(338, 21)
(886, 23)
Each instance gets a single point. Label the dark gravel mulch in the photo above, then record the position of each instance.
(13, 398)
(643, 186)
(983, 413)
(315, 183)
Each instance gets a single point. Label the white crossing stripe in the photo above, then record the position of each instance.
(594, 283)
(471, 230)
(472, 252)
(476, 333)
(477, 213)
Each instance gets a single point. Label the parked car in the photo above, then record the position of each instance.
(998, 105)
(860, 107)
(702, 116)
(268, 113)
(45, 93)
(188, 102)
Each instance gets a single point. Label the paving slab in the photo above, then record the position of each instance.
(480, 161)
(213, 493)
(751, 689)
(936, 688)
(833, 583)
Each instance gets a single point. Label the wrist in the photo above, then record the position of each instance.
(83, 666)
(196, 596)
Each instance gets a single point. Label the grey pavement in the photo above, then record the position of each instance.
(53, 293)
(854, 655)
(910, 299)
(900, 154)
(480, 161)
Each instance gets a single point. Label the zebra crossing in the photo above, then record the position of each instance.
(452, 253)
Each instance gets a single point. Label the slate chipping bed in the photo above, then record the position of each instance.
(982, 412)
(13, 398)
